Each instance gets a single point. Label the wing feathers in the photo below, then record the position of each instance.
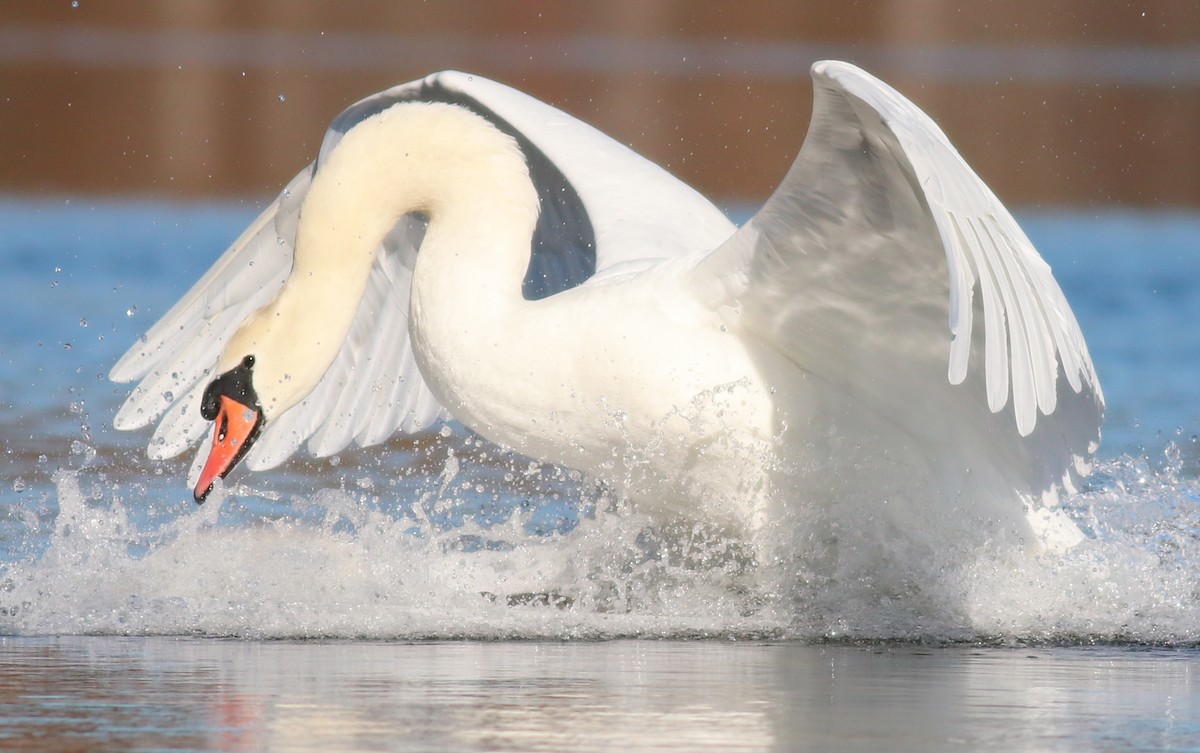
(1041, 331)
(880, 222)
(603, 207)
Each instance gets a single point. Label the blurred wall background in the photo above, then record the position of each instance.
(1055, 103)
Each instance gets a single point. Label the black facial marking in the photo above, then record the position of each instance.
(235, 383)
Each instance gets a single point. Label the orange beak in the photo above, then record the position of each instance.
(237, 428)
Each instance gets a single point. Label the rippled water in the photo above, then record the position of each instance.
(188, 694)
(443, 536)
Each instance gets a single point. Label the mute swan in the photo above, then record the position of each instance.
(461, 250)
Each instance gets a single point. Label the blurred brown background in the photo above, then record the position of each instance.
(1054, 103)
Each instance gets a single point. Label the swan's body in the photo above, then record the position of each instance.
(801, 363)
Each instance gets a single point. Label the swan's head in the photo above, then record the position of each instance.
(266, 368)
(439, 159)
(231, 402)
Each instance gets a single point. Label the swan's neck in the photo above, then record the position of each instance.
(471, 182)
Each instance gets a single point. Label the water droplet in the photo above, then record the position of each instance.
(131, 311)
(281, 98)
(83, 323)
(74, 3)
(19, 485)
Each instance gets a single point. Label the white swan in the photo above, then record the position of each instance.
(462, 250)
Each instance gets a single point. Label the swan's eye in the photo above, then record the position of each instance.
(210, 404)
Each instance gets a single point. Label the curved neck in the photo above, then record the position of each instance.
(467, 177)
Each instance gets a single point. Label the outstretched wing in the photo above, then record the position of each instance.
(603, 208)
(870, 266)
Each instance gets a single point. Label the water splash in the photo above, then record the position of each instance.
(558, 558)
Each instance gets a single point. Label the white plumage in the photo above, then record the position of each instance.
(466, 251)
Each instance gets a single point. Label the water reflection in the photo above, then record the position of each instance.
(59, 694)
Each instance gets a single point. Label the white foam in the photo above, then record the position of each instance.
(348, 566)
